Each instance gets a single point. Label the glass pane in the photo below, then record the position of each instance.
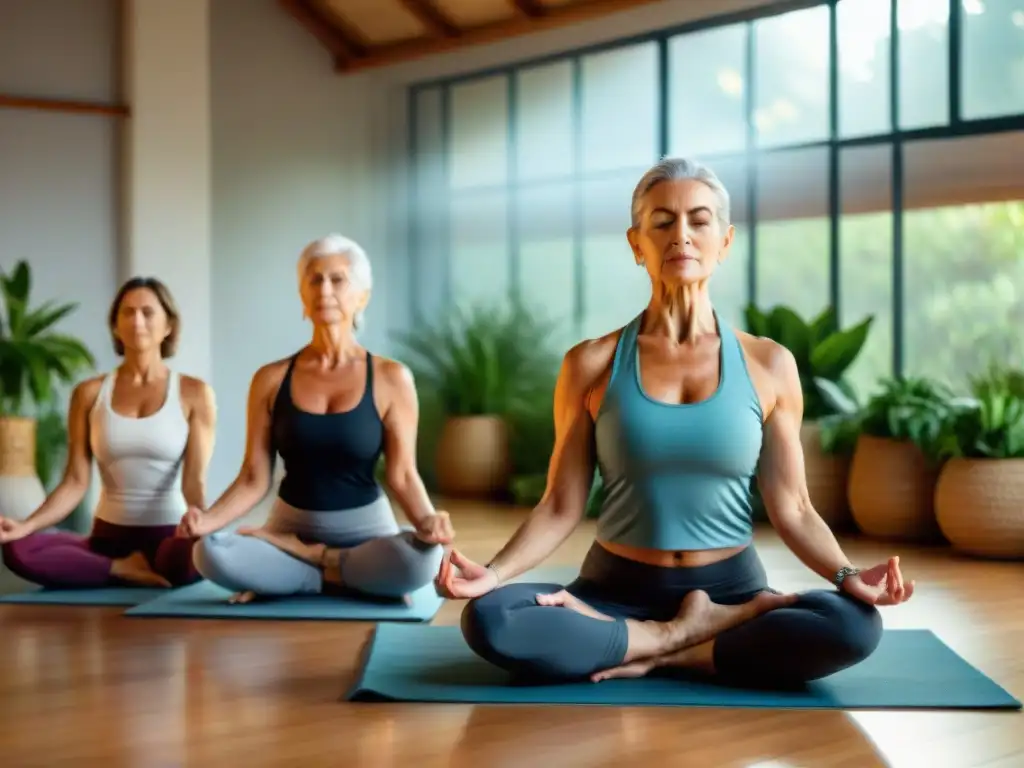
(544, 129)
(479, 265)
(793, 231)
(964, 256)
(729, 283)
(706, 93)
(479, 133)
(865, 252)
(547, 269)
(615, 289)
(791, 77)
(863, 31)
(992, 74)
(620, 108)
(924, 62)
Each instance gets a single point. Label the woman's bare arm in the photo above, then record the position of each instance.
(571, 470)
(782, 476)
(401, 424)
(63, 500)
(254, 477)
(202, 426)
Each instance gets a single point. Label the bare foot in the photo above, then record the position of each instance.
(241, 598)
(700, 620)
(288, 542)
(135, 569)
(700, 658)
(563, 599)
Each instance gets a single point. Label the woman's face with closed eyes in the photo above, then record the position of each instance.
(680, 238)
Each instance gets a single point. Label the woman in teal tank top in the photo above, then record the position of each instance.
(681, 415)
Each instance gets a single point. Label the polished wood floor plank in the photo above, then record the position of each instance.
(87, 686)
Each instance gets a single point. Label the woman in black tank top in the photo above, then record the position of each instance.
(330, 411)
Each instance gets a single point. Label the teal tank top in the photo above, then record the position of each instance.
(678, 477)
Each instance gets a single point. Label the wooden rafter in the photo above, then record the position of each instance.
(343, 44)
(433, 18)
(63, 105)
(531, 8)
(520, 24)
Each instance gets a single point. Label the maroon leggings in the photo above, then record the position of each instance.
(61, 560)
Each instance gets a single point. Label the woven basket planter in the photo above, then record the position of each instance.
(979, 505)
(892, 490)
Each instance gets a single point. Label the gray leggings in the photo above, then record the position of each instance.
(379, 558)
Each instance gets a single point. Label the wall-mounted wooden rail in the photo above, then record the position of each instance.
(63, 105)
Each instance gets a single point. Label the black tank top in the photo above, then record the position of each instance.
(329, 459)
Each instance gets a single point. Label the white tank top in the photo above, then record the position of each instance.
(140, 460)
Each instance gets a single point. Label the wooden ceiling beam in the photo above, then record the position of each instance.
(530, 8)
(560, 16)
(432, 17)
(343, 45)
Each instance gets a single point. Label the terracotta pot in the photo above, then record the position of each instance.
(21, 490)
(473, 456)
(891, 490)
(827, 478)
(978, 506)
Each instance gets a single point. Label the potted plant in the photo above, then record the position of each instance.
(480, 370)
(896, 460)
(33, 358)
(824, 353)
(979, 491)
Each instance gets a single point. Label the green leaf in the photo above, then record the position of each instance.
(757, 321)
(824, 325)
(44, 317)
(789, 329)
(831, 358)
(838, 397)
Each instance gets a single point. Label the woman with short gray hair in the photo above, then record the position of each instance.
(680, 413)
(331, 411)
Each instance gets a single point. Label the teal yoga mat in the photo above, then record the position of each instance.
(119, 596)
(206, 600)
(912, 669)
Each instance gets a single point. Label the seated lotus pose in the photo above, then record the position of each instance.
(151, 432)
(680, 413)
(330, 411)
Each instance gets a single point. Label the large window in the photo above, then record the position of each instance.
(875, 166)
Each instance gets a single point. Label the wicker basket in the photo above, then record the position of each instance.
(978, 505)
(17, 446)
(473, 457)
(892, 490)
(827, 478)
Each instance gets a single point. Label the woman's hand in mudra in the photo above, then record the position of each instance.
(462, 579)
(881, 585)
(436, 529)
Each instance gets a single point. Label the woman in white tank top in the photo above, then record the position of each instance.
(151, 433)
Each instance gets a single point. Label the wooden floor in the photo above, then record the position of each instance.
(85, 687)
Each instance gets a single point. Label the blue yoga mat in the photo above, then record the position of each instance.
(912, 669)
(206, 600)
(105, 596)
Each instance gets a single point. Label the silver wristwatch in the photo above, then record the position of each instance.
(841, 575)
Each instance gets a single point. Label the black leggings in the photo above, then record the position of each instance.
(824, 632)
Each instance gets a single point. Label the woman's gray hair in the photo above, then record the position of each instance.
(678, 169)
(339, 245)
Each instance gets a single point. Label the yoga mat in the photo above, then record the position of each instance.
(911, 669)
(105, 596)
(206, 600)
